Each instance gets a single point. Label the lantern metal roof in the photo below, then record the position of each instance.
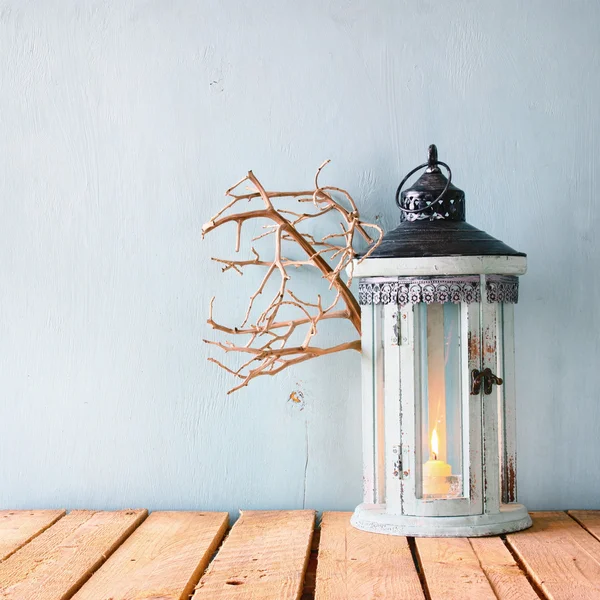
(432, 220)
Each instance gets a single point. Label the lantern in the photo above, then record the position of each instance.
(437, 298)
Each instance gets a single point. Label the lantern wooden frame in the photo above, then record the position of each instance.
(391, 401)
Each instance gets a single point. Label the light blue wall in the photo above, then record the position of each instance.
(122, 123)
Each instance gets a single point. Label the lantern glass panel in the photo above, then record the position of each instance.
(441, 401)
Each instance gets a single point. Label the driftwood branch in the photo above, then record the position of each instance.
(271, 340)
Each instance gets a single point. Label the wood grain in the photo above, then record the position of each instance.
(588, 519)
(360, 565)
(17, 527)
(505, 576)
(55, 564)
(163, 558)
(560, 556)
(264, 557)
(452, 570)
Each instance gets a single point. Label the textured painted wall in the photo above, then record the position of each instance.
(122, 123)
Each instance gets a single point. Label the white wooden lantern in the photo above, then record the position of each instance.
(437, 301)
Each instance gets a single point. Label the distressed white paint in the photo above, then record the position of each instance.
(369, 403)
(471, 430)
(404, 509)
(410, 373)
(379, 405)
(374, 518)
(122, 123)
(491, 415)
(440, 265)
(411, 401)
(372, 404)
(391, 432)
(472, 436)
(508, 407)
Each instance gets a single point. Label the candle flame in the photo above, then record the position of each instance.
(434, 444)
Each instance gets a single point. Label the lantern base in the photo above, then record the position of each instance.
(374, 518)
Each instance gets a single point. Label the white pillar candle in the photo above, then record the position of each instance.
(436, 472)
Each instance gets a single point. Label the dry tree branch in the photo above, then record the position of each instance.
(269, 348)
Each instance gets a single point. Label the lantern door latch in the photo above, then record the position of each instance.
(485, 377)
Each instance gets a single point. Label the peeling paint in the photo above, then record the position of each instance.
(490, 343)
(474, 346)
(472, 486)
(396, 337)
(511, 479)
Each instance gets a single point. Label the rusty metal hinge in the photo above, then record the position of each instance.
(487, 378)
(397, 462)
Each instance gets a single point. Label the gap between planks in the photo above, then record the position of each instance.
(477, 568)
(163, 558)
(310, 577)
(18, 527)
(266, 554)
(588, 519)
(56, 563)
(561, 555)
(360, 565)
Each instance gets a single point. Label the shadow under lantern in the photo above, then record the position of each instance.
(438, 371)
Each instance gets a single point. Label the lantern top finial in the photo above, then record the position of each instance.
(433, 156)
(432, 220)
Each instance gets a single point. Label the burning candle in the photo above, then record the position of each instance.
(436, 472)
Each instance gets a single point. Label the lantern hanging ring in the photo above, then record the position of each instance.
(430, 164)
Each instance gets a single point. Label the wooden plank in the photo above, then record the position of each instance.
(17, 527)
(589, 519)
(560, 556)
(360, 565)
(164, 558)
(56, 563)
(505, 576)
(452, 570)
(264, 557)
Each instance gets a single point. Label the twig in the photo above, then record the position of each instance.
(269, 347)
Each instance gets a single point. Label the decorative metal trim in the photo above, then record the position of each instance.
(502, 288)
(405, 290)
(426, 209)
(466, 288)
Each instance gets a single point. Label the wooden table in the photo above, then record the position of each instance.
(280, 555)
